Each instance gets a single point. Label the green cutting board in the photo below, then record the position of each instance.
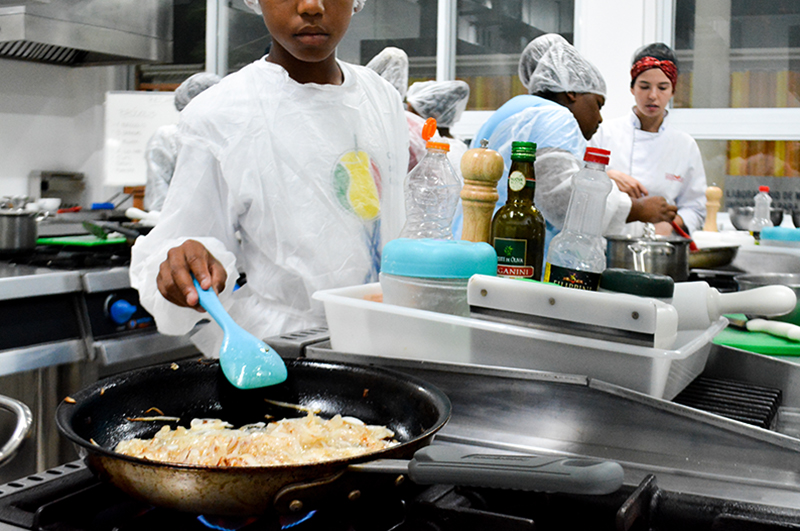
(86, 240)
(757, 342)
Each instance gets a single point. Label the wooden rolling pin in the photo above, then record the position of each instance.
(713, 195)
(482, 168)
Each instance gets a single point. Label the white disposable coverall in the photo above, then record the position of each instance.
(280, 180)
(161, 152)
(668, 163)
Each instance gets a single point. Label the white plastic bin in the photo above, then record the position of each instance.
(361, 326)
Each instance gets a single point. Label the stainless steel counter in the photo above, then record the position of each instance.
(20, 281)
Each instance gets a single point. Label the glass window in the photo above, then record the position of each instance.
(491, 35)
(738, 53)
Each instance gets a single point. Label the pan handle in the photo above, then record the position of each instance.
(442, 464)
(21, 430)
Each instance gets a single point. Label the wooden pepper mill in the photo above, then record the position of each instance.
(482, 168)
(713, 195)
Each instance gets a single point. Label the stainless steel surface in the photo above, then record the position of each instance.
(18, 281)
(42, 355)
(106, 279)
(767, 259)
(21, 430)
(84, 32)
(145, 346)
(691, 451)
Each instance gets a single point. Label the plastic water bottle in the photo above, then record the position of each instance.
(432, 190)
(577, 255)
(761, 217)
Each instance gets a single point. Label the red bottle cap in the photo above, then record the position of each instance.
(598, 155)
(763, 189)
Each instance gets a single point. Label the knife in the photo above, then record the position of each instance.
(775, 328)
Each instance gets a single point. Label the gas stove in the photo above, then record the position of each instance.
(69, 497)
(74, 258)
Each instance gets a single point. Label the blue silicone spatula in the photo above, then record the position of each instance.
(246, 361)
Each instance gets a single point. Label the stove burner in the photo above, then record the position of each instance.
(70, 258)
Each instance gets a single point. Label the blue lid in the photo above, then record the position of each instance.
(787, 234)
(429, 258)
(102, 206)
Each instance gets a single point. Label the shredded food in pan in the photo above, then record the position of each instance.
(213, 442)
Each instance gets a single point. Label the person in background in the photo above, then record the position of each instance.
(648, 156)
(392, 65)
(162, 148)
(291, 171)
(445, 101)
(560, 113)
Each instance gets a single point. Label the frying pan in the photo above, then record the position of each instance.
(413, 409)
(712, 257)
(96, 420)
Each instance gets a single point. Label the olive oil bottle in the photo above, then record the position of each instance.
(518, 227)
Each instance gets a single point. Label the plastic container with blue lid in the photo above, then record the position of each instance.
(431, 274)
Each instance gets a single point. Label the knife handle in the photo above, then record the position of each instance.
(775, 328)
(572, 475)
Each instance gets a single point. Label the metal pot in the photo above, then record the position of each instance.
(658, 254)
(18, 230)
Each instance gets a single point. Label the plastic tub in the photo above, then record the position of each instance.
(361, 326)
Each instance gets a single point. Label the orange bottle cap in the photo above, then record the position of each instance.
(428, 130)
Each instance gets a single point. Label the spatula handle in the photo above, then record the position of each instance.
(211, 303)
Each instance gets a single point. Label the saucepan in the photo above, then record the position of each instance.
(663, 255)
(96, 419)
(19, 230)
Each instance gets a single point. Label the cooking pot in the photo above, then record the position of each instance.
(663, 255)
(18, 230)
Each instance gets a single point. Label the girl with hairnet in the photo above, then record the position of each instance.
(560, 113)
(445, 101)
(162, 148)
(648, 157)
(290, 171)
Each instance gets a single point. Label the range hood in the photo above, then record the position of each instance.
(86, 32)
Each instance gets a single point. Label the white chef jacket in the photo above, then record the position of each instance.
(281, 181)
(668, 163)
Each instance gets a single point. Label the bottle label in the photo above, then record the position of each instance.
(516, 181)
(571, 278)
(511, 257)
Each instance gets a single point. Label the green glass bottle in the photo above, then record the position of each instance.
(518, 227)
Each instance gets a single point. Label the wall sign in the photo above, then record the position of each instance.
(740, 190)
(131, 118)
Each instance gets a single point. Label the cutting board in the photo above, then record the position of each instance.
(86, 240)
(757, 342)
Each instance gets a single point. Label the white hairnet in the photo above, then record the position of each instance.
(193, 86)
(358, 5)
(392, 65)
(443, 100)
(550, 63)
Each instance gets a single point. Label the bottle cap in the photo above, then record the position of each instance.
(598, 155)
(428, 131)
(523, 151)
(763, 189)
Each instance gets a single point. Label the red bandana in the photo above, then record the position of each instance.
(646, 63)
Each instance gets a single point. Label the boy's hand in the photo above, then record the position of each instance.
(652, 209)
(627, 184)
(175, 275)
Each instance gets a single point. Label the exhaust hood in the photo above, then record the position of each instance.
(86, 32)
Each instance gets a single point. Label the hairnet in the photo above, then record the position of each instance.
(392, 65)
(557, 66)
(443, 100)
(193, 86)
(358, 5)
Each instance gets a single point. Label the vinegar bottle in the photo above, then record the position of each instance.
(761, 217)
(432, 191)
(518, 227)
(577, 255)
